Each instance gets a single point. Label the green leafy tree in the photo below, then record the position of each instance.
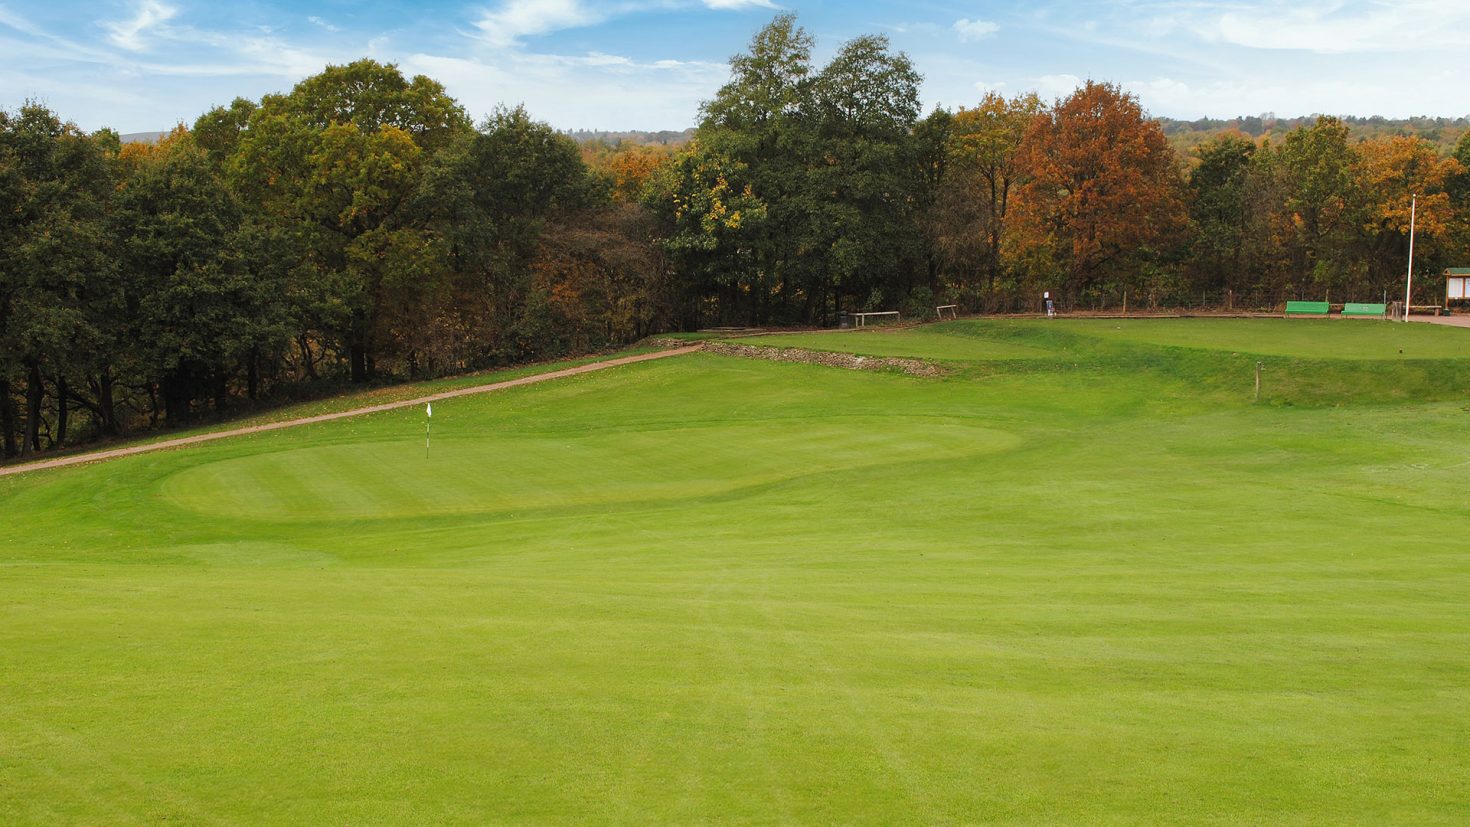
(1268, 228)
(1217, 209)
(195, 312)
(715, 224)
(863, 177)
(342, 158)
(496, 190)
(803, 186)
(57, 180)
(756, 138)
(1324, 205)
(1458, 188)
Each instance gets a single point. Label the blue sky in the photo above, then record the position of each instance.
(139, 65)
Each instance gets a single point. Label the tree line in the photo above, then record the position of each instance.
(363, 228)
(1443, 132)
(359, 227)
(811, 190)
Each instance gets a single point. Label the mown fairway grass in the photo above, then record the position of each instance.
(1091, 585)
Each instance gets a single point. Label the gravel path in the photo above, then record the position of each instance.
(1450, 321)
(97, 456)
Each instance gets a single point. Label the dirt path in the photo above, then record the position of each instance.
(1451, 321)
(97, 456)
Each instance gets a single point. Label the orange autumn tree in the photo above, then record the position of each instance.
(1390, 171)
(974, 196)
(134, 154)
(1103, 196)
(628, 166)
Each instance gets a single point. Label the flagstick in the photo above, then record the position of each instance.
(428, 418)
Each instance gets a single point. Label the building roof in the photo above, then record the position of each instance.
(1457, 271)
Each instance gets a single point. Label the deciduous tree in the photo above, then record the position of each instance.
(1103, 187)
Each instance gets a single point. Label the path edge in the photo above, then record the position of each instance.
(117, 453)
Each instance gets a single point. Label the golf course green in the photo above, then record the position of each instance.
(1082, 577)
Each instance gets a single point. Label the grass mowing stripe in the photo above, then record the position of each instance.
(1093, 586)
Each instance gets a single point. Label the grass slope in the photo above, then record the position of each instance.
(1095, 585)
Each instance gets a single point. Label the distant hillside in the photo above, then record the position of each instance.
(1443, 132)
(666, 137)
(1184, 135)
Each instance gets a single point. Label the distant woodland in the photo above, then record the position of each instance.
(363, 228)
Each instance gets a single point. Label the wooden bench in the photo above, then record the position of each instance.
(1365, 309)
(861, 319)
(1308, 308)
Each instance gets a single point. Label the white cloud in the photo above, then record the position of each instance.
(1163, 94)
(516, 19)
(317, 21)
(596, 90)
(128, 34)
(1330, 26)
(736, 5)
(1056, 86)
(970, 30)
(20, 24)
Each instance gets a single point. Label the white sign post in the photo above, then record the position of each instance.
(1409, 285)
(428, 415)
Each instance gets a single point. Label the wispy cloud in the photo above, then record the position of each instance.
(1056, 86)
(971, 30)
(129, 34)
(1322, 26)
(517, 19)
(12, 20)
(148, 63)
(596, 90)
(737, 5)
(512, 21)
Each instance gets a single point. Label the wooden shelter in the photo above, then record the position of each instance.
(1456, 285)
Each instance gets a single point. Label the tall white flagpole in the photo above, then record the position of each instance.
(1409, 284)
(428, 415)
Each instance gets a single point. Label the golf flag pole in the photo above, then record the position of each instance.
(1409, 282)
(428, 415)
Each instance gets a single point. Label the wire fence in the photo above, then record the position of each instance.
(1106, 301)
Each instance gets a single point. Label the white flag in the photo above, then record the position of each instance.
(428, 409)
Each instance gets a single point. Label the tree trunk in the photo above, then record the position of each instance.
(152, 405)
(252, 375)
(359, 347)
(7, 419)
(35, 392)
(175, 399)
(106, 406)
(62, 411)
(357, 359)
(308, 364)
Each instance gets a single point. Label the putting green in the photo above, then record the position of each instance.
(1094, 586)
(516, 472)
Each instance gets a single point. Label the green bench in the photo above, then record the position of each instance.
(1362, 309)
(1308, 308)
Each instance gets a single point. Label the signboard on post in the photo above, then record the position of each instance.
(1456, 285)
